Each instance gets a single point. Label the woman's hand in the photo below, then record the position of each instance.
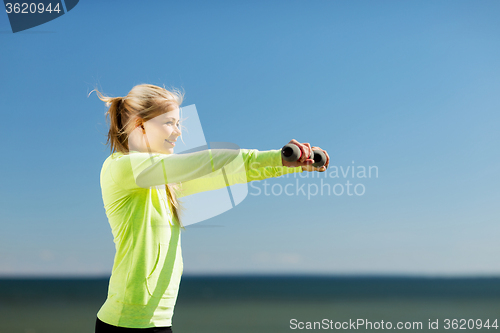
(320, 169)
(304, 161)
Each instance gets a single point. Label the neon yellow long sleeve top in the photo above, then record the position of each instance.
(148, 264)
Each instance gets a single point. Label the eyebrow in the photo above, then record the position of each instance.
(172, 118)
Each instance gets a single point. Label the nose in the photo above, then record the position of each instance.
(177, 131)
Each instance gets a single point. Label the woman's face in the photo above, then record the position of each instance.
(162, 132)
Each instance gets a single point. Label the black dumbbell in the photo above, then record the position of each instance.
(292, 153)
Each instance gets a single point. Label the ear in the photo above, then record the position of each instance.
(140, 123)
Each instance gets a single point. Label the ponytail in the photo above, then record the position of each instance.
(117, 134)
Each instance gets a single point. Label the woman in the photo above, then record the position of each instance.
(141, 181)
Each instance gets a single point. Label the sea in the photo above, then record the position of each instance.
(274, 304)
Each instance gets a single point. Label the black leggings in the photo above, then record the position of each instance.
(102, 327)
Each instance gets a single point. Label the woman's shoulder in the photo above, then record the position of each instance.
(116, 169)
(121, 167)
(116, 160)
(116, 156)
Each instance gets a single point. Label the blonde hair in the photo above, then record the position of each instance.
(142, 103)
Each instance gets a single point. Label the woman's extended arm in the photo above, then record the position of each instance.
(258, 165)
(203, 169)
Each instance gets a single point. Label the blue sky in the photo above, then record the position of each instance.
(408, 87)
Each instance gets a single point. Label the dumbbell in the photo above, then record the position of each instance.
(292, 153)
